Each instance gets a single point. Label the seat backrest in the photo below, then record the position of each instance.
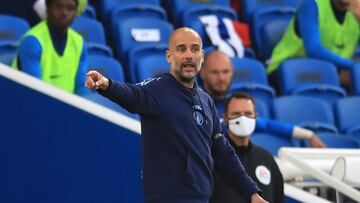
(133, 32)
(91, 30)
(7, 58)
(151, 66)
(179, 6)
(338, 141)
(300, 109)
(248, 70)
(250, 7)
(347, 111)
(262, 109)
(355, 79)
(89, 12)
(268, 27)
(295, 73)
(270, 142)
(188, 16)
(12, 28)
(107, 66)
(106, 6)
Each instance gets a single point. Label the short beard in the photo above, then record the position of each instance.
(216, 94)
(185, 79)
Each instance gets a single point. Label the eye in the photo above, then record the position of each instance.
(195, 49)
(181, 49)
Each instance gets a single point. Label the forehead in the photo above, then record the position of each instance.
(240, 105)
(218, 63)
(185, 37)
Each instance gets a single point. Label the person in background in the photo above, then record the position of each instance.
(217, 74)
(326, 30)
(240, 116)
(182, 140)
(53, 52)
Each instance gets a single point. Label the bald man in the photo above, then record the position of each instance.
(182, 141)
(217, 73)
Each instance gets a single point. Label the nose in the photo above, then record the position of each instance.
(188, 54)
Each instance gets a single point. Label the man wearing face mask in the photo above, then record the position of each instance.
(216, 75)
(240, 117)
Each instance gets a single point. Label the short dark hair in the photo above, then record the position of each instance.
(49, 2)
(238, 95)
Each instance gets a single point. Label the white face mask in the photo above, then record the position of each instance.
(242, 126)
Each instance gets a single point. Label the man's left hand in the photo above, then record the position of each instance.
(256, 198)
(316, 142)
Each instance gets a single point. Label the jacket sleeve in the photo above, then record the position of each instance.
(29, 56)
(276, 127)
(135, 98)
(228, 165)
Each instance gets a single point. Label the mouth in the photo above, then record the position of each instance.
(188, 66)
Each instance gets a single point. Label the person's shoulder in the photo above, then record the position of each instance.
(261, 151)
(29, 43)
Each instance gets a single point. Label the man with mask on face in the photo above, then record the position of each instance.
(53, 52)
(182, 141)
(240, 118)
(216, 75)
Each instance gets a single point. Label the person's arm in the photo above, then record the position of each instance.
(355, 8)
(228, 165)
(29, 56)
(134, 98)
(307, 18)
(81, 73)
(288, 130)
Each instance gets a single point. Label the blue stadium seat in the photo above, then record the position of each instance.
(12, 28)
(355, 79)
(250, 77)
(307, 112)
(271, 142)
(106, 6)
(310, 77)
(268, 27)
(109, 104)
(188, 16)
(93, 32)
(89, 12)
(131, 10)
(250, 7)
(262, 109)
(106, 66)
(151, 66)
(338, 141)
(7, 58)
(347, 111)
(179, 7)
(141, 52)
(134, 32)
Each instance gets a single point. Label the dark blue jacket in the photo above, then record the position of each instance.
(182, 141)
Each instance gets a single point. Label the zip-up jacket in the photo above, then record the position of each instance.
(182, 141)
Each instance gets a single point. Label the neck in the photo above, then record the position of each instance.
(188, 84)
(239, 141)
(214, 95)
(58, 31)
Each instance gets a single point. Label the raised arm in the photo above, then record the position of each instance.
(134, 98)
